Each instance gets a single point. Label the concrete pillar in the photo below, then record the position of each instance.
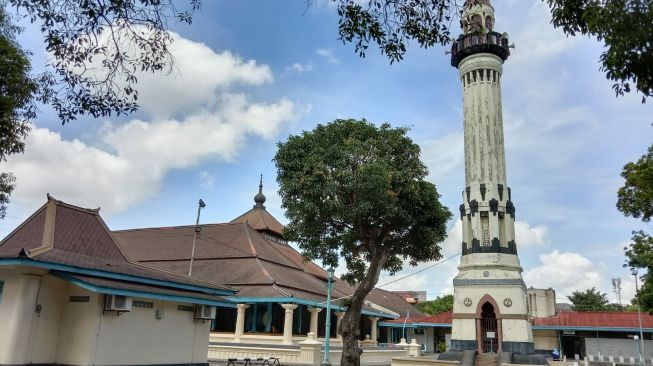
(339, 316)
(240, 321)
(314, 313)
(373, 335)
(287, 323)
(414, 349)
(310, 350)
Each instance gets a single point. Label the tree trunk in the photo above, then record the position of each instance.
(350, 323)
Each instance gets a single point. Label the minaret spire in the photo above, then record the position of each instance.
(490, 311)
(259, 199)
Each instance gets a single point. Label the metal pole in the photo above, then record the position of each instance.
(200, 205)
(642, 356)
(327, 332)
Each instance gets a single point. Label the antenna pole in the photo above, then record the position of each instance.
(200, 205)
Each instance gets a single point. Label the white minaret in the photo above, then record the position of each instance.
(490, 310)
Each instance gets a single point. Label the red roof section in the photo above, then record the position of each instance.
(442, 318)
(571, 319)
(596, 319)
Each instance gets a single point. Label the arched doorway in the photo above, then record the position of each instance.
(489, 331)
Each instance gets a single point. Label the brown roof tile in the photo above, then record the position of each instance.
(260, 219)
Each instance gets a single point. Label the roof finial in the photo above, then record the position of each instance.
(259, 199)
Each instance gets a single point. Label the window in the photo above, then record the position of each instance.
(2, 286)
(485, 227)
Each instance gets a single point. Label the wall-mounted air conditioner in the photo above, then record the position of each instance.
(205, 312)
(117, 303)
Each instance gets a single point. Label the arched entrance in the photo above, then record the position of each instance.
(489, 330)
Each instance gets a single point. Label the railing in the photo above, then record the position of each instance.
(469, 44)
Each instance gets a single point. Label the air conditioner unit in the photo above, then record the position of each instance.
(117, 303)
(205, 312)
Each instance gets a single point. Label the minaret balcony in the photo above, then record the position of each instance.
(473, 43)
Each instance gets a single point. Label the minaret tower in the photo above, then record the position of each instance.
(490, 312)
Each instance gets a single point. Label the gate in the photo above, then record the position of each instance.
(489, 333)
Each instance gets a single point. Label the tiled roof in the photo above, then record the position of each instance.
(241, 255)
(260, 219)
(563, 320)
(596, 319)
(63, 234)
(442, 318)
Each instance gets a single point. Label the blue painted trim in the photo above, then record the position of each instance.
(132, 293)
(113, 275)
(295, 300)
(600, 329)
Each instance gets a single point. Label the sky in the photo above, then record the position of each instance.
(248, 74)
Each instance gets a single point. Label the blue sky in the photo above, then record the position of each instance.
(250, 73)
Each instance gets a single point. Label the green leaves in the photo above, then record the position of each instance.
(589, 300)
(625, 27)
(356, 191)
(440, 305)
(18, 91)
(635, 198)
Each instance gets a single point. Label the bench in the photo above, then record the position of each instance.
(269, 361)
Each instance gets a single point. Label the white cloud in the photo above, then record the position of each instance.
(328, 54)
(300, 68)
(206, 179)
(528, 236)
(443, 155)
(565, 272)
(196, 116)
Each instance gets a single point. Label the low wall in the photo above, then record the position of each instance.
(422, 361)
(294, 355)
(257, 338)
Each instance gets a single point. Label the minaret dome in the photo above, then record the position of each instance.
(259, 199)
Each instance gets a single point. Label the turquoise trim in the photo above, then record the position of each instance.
(295, 300)
(414, 325)
(132, 293)
(113, 275)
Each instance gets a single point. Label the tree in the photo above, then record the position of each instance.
(357, 192)
(17, 97)
(440, 305)
(589, 300)
(635, 198)
(624, 27)
(639, 254)
(97, 47)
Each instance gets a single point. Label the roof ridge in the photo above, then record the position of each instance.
(174, 227)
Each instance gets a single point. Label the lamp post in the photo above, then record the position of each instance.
(642, 355)
(327, 335)
(200, 206)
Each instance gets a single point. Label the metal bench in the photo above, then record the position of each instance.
(269, 361)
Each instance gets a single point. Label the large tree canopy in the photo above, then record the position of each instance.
(17, 101)
(624, 26)
(357, 192)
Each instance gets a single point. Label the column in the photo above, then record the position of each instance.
(339, 316)
(373, 336)
(240, 321)
(287, 323)
(314, 313)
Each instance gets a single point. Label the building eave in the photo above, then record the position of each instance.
(113, 275)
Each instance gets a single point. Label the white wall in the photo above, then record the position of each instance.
(78, 333)
(616, 347)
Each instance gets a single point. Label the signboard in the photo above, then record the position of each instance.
(491, 335)
(568, 332)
